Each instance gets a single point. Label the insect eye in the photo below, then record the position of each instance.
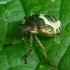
(29, 31)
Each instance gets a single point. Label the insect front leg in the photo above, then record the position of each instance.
(13, 40)
(40, 44)
(27, 54)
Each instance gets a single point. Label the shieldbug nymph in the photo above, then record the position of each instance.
(43, 24)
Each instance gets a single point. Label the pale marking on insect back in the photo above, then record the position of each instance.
(55, 25)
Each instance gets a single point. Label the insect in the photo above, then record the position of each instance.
(43, 24)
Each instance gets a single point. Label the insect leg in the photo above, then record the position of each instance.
(13, 39)
(40, 44)
(27, 54)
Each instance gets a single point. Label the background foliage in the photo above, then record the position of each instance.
(58, 48)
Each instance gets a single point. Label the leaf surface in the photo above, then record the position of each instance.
(57, 49)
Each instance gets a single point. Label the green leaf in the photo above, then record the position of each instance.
(57, 49)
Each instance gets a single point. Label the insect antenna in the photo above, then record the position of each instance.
(5, 20)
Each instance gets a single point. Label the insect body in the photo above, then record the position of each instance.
(40, 24)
